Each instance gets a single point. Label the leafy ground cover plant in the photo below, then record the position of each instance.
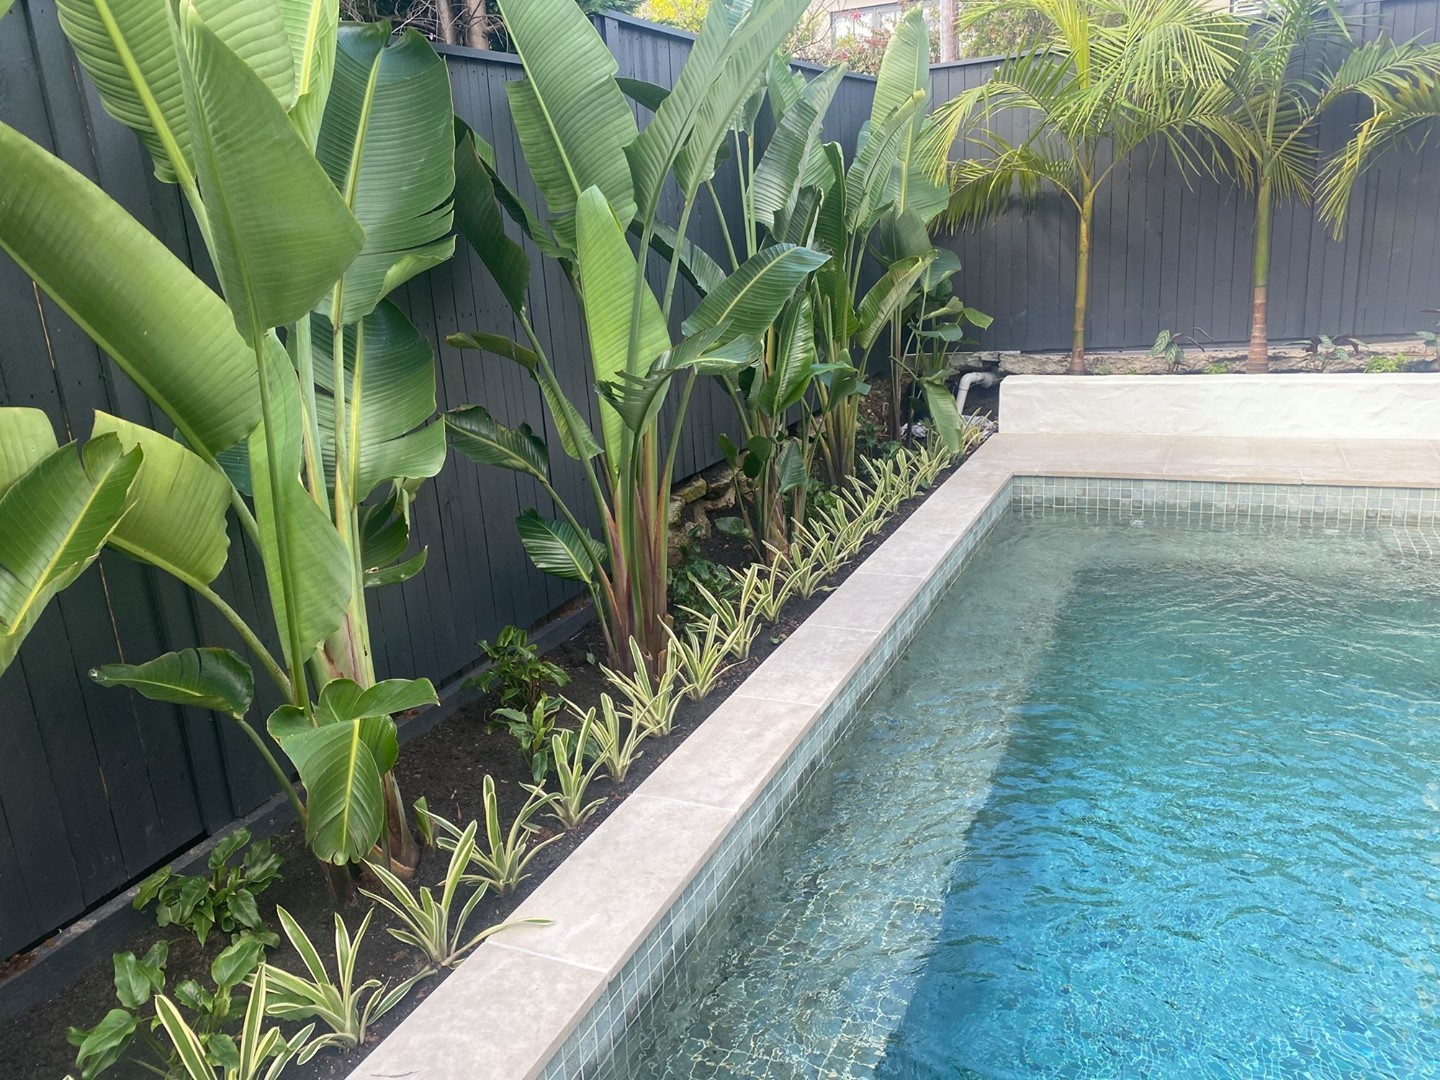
(260, 1053)
(651, 701)
(615, 737)
(340, 1006)
(570, 752)
(515, 672)
(225, 899)
(427, 923)
(127, 1032)
(498, 858)
(702, 655)
(1385, 365)
(532, 731)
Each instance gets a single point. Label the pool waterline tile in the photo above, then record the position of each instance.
(817, 680)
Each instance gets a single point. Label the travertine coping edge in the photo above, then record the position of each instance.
(515, 1009)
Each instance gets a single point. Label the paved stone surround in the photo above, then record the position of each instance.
(551, 1000)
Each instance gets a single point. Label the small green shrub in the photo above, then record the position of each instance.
(516, 672)
(697, 574)
(1325, 351)
(573, 775)
(1385, 365)
(532, 730)
(615, 738)
(1216, 367)
(225, 899)
(141, 981)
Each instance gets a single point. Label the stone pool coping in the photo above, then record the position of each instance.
(514, 1010)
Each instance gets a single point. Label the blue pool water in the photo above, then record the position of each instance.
(1139, 801)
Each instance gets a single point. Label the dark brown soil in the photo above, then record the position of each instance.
(447, 766)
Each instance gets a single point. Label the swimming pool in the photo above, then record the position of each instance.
(1139, 800)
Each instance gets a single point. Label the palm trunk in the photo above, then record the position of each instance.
(1082, 285)
(1257, 361)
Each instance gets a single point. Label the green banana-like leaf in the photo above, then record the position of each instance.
(396, 573)
(887, 296)
(647, 94)
(127, 49)
(345, 699)
(794, 360)
(868, 187)
(477, 212)
(53, 522)
(556, 548)
(778, 176)
(790, 467)
(498, 344)
(610, 278)
(480, 437)
(206, 678)
(319, 560)
(390, 393)
(944, 417)
(26, 438)
(177, 518)
(388, 143)
(572, 119)
(280, 232)
(696, 265)
(164, 327)
(340, 764)
(750, 299)
(905, 71)
(312, 27)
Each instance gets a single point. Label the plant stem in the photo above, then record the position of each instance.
(1082, 284)
(1257, 360)
(285, 784)
(251, 639)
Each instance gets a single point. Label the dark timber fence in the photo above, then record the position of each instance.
(98, 786)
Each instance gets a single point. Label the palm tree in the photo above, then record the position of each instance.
(1299, 60)
(1103, 78)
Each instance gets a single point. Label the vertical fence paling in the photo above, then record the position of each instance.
(96, 785)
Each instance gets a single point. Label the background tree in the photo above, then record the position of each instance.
(1103, 79)
(1000, 31)
(1302, 58)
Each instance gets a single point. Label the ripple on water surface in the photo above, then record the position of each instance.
(1140, 801)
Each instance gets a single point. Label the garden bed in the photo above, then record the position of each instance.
(446, 765)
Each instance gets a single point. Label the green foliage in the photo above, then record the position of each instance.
(428, 924)
(697, 573)
(338, 1004)
(498, 859)
(1385, 365)
(701, 656)
(260, 1053)
(651, 701)
(1325, 352)
(515, 672)
(1095, 84)
(141, 981)
(615, 738)
(569, 751)
(284, 132)
(225, 899)
(1170, 347)
(602, 177)
(532, 730)
(1217, 367)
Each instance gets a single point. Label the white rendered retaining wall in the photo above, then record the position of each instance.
(1399, 406)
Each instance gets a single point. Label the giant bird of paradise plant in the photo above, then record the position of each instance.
(602, 178)
(317, 160)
